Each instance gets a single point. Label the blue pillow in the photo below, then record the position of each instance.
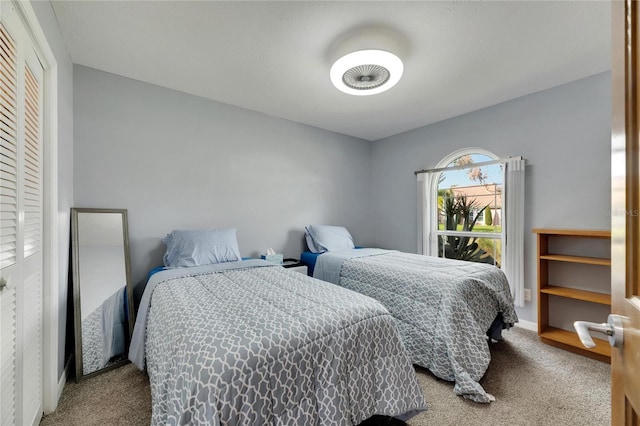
(321, 238)
(200, 247)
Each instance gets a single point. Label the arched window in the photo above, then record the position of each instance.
(469, 213)
(468, 205)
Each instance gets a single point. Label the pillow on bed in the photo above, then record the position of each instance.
(321, 238)
(200, 247)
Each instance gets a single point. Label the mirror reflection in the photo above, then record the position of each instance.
(101, 289)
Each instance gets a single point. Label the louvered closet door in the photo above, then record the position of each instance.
(21, 302)
(31, 241)
(8, 225)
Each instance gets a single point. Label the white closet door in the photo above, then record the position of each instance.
(21, 305)
(30, 313)
(8, 225)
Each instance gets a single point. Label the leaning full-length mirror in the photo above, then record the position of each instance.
(102, 290)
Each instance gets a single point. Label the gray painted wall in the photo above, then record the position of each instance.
(49, 24)
(564, 134)
(176, 161)
(179, 161)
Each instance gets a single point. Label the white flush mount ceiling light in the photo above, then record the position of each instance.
(366, 72)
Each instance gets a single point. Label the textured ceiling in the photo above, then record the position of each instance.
(274, 57)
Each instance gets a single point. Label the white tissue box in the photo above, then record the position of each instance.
(275, 258)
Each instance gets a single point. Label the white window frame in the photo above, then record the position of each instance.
(434, 192)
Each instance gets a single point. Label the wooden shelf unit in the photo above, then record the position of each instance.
(564, 339)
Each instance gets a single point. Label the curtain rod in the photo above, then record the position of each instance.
(467, 166)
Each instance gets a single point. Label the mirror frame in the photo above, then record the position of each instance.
(77, 314)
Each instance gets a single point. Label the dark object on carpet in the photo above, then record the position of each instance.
(382, 421)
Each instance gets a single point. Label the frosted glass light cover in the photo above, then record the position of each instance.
(349, 73)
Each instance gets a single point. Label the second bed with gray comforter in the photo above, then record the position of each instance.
(443, 307)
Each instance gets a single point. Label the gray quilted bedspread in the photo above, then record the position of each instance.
(267, 346)
(443, 309)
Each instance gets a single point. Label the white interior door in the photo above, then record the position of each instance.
(21, 262)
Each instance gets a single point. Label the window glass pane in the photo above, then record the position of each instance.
(493, 248)
(471, 249)
(470, 199)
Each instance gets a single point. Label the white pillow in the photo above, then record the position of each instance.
(321, 238)
(200, 247)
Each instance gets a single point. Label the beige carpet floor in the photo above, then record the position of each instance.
(534, 384)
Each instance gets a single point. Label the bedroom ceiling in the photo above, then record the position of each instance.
(274, 57)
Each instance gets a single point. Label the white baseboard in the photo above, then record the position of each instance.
(63, 379)
(61, 383)
(527, 325)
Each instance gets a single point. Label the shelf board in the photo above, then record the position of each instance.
(572, 293)
(586, 233)
(570, 341)
(577, 259)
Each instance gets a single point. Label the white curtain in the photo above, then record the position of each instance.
(513, 228)
(427, 221)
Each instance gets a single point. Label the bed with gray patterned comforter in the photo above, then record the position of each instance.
(443, 307)
(252, 344)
